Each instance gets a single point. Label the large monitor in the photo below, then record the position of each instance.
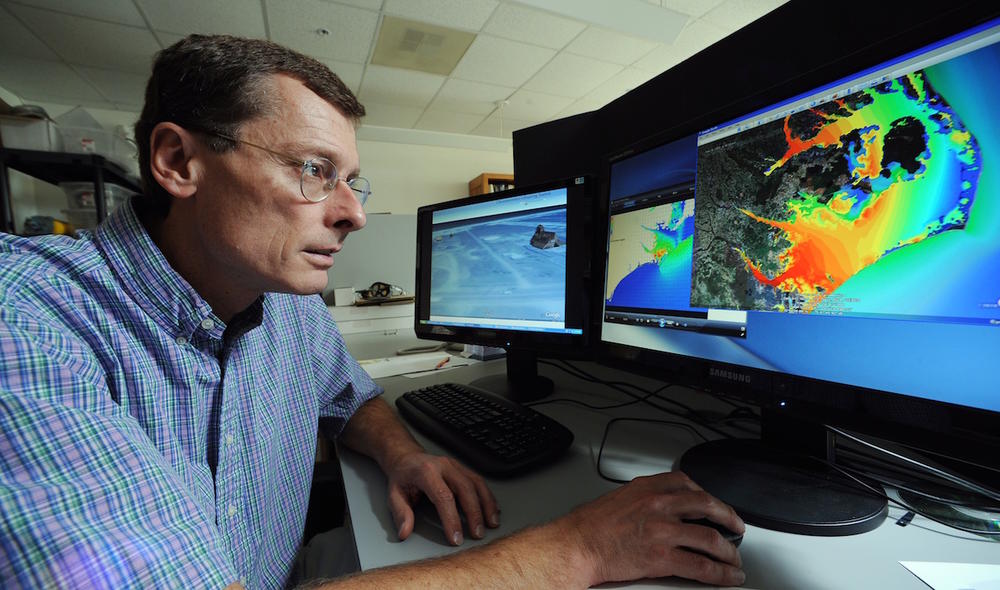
(833, 257)
(508, 269)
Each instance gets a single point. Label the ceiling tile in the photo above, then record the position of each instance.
(390, 115)
(475, 98)
(572, 75)
(400, 87)
(31, 80)
(349, 73)
(735, 14)
(519, 23)
(448, 121)
(578, 107)
(118, 87)
(534, 106)
(17, 40)
(459, 14)
(610, 46)
(501, 61)
(694, 8)
(115, 11)
(494, 126)
(369, 4)
(243, 18)
(89, 42)
(294, 24)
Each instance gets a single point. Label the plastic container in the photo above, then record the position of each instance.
(29, 133)
(81, 205)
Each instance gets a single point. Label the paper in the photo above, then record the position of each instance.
(411, 363)
(956, 576)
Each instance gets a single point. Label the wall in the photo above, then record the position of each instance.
(407, 168)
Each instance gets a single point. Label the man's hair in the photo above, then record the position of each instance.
(214, 84)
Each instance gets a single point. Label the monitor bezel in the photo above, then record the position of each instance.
(579, 212)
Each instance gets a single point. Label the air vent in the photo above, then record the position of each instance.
(419, 46)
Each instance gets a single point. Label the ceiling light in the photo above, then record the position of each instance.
(419, 46)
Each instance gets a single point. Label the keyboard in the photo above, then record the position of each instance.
(493, 435)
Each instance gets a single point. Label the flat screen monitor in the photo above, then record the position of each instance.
(508, 269)
(833, 257)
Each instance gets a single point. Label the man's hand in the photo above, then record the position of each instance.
(449, 485)
(637, 532)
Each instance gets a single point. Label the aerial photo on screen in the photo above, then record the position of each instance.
(507, 267)
(649, 257)
(790, 211)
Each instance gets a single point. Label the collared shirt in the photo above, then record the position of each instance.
(144, 442)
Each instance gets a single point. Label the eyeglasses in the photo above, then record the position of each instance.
(319, 175)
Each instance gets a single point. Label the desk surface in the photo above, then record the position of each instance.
(772, 560)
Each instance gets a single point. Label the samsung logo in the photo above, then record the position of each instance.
(729, 375)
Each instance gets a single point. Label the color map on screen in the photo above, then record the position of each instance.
(649, 257)
(827, 209)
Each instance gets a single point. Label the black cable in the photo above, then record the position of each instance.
(905, 506)
(607, 429)
(692, 415)
(949, 477)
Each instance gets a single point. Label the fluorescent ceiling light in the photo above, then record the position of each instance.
(420, 46)
(636, 18)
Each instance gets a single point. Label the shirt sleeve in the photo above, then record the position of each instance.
(342, 384)
(87, 500)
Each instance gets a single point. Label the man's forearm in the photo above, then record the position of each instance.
(376, 431)
(542, 557)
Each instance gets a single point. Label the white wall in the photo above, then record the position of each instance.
(406, 176)
(407, 168)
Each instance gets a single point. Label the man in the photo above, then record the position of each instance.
(161, 378)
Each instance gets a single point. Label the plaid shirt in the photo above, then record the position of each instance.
(143, 442)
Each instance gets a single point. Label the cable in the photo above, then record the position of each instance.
(691, 415)
(905, 506)
(969, 485)
(607, 429)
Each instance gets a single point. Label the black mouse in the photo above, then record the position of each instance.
(734, 538)
(425, 510)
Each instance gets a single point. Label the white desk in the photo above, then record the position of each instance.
(772, 560)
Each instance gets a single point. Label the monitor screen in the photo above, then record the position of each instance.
(508, 269)
(850, 234)
(833, 258)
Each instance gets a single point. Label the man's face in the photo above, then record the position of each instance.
(260, 234)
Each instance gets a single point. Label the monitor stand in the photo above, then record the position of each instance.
(521, 383)
(783, 490)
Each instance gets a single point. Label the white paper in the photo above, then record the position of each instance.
(410, 363)
(956, 576)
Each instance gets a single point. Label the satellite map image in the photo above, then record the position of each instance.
(490, 269)
(791, 210)
(649, 257)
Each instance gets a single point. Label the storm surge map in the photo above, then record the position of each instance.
(649, 257)
(489, 269)
(791, 210)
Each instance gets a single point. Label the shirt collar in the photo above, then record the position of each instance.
(153, 284)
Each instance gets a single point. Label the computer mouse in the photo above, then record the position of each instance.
(734, 538)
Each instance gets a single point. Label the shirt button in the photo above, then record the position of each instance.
(229, 439)
(232, 509)
(181, 340)
(243, 581)
(207, 324)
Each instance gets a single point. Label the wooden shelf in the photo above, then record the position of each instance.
(490, 182)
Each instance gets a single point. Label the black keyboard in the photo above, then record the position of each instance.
(494, 435)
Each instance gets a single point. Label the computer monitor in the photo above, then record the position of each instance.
(508, 269)
(833, 257)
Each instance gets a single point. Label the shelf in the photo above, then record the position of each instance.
(490, 182)
(56, 167)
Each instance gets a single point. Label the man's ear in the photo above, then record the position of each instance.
(172, 159)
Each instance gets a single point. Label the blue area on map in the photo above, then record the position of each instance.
(489, 269)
